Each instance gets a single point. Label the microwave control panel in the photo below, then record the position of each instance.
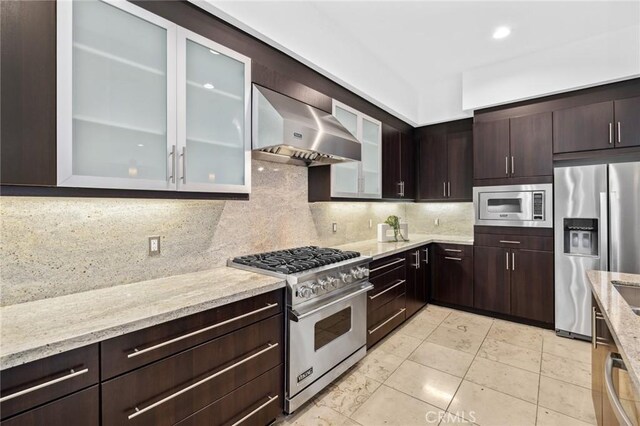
(538, 206)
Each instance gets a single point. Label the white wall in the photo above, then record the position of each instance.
(597, 60)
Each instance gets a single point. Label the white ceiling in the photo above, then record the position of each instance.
(409, 56)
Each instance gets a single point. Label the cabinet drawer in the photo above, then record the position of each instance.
(256, 403)
(384, 265)
(384, 320)
(80, 409)
(44, 380)
(514, 241)
(379, 297)
(172, 389)
(453, 250)
(133, 350)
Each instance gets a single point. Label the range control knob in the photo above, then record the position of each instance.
(358, 273)
(365, 271)
(320, 285)
(346, 278)
(305, 292)
(332, 282)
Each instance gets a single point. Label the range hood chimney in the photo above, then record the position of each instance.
(288, 131)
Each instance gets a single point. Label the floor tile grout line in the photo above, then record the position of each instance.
(564, 414)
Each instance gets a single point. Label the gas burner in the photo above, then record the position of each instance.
(295, 260)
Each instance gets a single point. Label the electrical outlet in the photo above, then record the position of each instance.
(154, 246)
(436, 222)
(370, 223)
(334, 227)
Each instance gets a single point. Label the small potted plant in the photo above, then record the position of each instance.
(394, 222)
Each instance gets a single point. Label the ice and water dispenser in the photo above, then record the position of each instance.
(581, 237)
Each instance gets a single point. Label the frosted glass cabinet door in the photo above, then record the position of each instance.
(371, 155)
(116, 96)
(346, 176)
(213, 115)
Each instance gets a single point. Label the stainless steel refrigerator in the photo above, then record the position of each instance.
(596, 226)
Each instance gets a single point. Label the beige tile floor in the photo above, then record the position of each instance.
(446, 366)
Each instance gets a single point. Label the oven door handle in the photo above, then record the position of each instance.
(295, 316)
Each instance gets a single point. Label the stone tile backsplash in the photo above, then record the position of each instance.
(56, 246)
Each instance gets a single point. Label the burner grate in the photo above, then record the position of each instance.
(295, 260)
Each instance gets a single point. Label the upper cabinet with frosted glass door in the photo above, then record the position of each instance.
(144, 104)
(359, 179)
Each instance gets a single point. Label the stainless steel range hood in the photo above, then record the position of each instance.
(288, 131)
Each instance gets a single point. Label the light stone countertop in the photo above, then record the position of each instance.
(35, 330)
(379, 250)
(622, 322)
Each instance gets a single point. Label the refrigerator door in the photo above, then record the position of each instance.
(624, 200)
(580, 200)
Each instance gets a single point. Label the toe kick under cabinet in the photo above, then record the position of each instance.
(221, 366)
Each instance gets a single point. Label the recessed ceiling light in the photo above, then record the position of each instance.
(140, 145)
(501, 32)
(214, 52)
(208, 86)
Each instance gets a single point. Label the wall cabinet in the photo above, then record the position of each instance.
(602, 125)
(513, 275)
(398, 164)
(518, 147)
(361, 179)
(445, 162)
(452, 282)
(145, 104)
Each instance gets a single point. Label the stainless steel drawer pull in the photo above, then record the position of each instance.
(595, 340)
(513, 169)
(444, 189)
(509, 242)
(610, 133)
(452, 258)
(400, 282)
(449, 189)
(453, 250)
(198, 383)
(619, 135)
(71, 375)
(611, 362)
(387, 321)
(386, 265)
(137, 351)
(506, 165)
(507, 257)
(513, 261)
(271, 399)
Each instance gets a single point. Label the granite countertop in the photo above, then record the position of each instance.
(622, 322)
(35, 330)
(378, 250)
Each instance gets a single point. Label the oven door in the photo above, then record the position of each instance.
(505, 206)
(325, 334)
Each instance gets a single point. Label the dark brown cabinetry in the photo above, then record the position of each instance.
(398, 164)
(519, 147)
(452, 282)
(627, 115)
(513, 274)
(418, 277)
(445, 161)
(386, 302)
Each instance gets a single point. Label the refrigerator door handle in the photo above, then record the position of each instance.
(604, 232)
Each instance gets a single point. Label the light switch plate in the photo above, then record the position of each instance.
(334, 227)
(154, 246)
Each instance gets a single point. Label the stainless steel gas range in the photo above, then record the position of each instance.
(326, 315)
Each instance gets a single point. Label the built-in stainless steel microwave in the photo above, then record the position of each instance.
(514, 205)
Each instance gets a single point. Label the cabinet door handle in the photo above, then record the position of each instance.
(400, 189)
(509, 242)
(453, 250)
(513, 261)
(242, 420)
(400, 282)
(444, 189)
(139, 411)
(137, 352)
(512, 166)
(426, 255)
(402, 193)
(452, 258)
(506, 165)
(172, 154)
(610, 133)
(614, 361)
(184, 164)
(71, 375)
(507, 257)
(595, 340)
(449, 189)
(619, 135)
(417, 255)
(387, 321)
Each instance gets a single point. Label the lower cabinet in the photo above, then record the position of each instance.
(418, 277)
(452, 282)
(221, 366)
(513, 275)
